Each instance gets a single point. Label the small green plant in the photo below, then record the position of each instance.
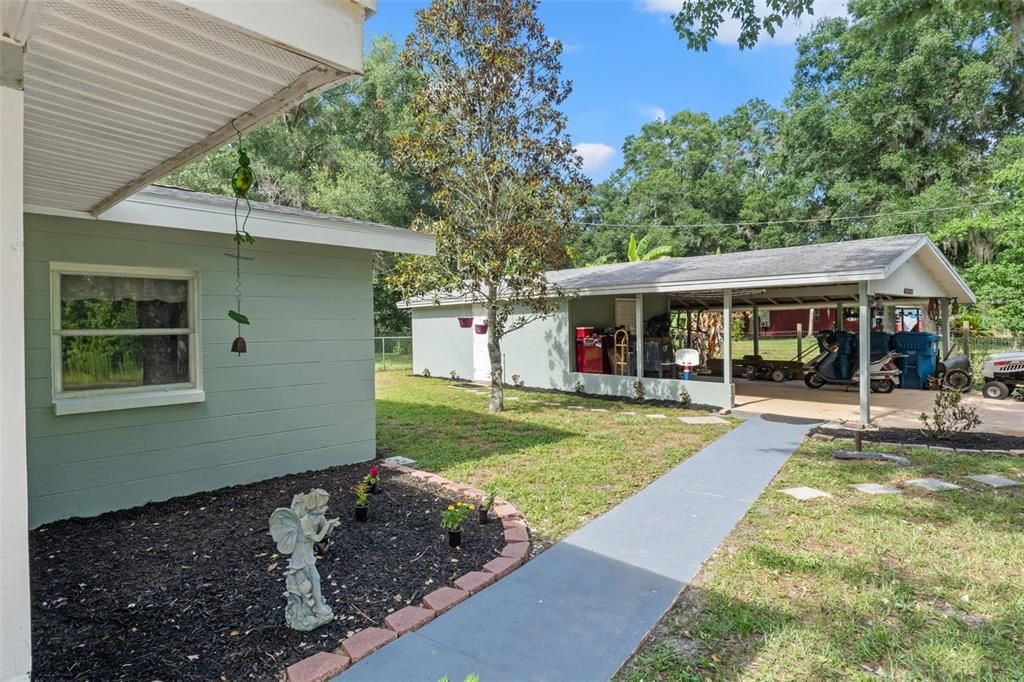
(684, 396)
(362, 494)
(426, 372)
(579, 386)
(949, 416)
(490, 492)
(517, 380)
(638, 390)
(736, 327)
(454, 515)
(453, 374)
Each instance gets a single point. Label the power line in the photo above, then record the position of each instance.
(795, 221)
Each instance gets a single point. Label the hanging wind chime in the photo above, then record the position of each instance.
(242, 180)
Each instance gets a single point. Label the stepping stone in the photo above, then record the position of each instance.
(703, 420)
(875, 489)
(512, 398)
(994, 481)
(404, 461)
(598, 409)
(552, 404)
(629, 412)
(934, 485)
(804, 493)
(574, 407)
(656, 416)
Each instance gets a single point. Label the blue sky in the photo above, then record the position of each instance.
(628, 66)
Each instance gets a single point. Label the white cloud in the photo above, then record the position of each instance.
(655, 113)
(596, 156)
(729, 31)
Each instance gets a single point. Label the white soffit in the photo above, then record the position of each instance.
(119, 93)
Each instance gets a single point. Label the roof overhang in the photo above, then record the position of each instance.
(205, 213)
(119, 93)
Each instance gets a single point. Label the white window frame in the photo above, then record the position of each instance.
(101, 400)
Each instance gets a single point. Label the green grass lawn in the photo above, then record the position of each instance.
(560, 467)
(918, 586)
(772, 349)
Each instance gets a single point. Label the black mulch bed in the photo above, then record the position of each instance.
(190, 588)
(966, 441)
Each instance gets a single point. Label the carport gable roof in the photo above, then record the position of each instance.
(814, 264)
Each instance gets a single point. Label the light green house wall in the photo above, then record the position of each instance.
(300, 399)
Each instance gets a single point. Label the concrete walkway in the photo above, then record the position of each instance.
(581, 608)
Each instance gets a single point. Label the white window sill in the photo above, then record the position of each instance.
(127, 401)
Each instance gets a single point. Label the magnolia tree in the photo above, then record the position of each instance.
(490, 141)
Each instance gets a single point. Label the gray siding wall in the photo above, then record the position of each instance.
(300, 399)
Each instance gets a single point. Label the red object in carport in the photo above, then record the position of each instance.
(589, 351)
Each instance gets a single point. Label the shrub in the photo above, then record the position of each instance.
(949, 416)
(453, 374)
(638, 390)
(426, 372)
(579, 386)
(684, 396)
(517, 380)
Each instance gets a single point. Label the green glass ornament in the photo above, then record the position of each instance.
(243, 178)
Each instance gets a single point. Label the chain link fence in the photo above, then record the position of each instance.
(392, 353)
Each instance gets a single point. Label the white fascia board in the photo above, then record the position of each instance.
(182, 214)
(327, 31)
(773, 282)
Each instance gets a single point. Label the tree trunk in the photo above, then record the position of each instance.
(494, 351)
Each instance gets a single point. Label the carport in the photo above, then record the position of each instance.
(869, 275)
(866, 275)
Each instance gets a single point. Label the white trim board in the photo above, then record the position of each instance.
(155, 209)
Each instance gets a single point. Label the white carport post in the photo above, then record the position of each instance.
(864, 354)
(727, 338)
(755, 322)
(944, 329)
(15, 622)
(639, 354)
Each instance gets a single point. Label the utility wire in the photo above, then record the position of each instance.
(794, 221)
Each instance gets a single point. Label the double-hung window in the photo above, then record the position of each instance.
(123, 337)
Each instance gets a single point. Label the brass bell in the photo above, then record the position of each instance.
(238, 345)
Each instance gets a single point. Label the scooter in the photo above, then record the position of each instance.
(885, 376)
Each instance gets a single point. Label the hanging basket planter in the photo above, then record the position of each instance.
(465, 322)
(480, 327)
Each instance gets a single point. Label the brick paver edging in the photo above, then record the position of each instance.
(324, 665)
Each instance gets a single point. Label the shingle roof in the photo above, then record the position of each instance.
(835, 258)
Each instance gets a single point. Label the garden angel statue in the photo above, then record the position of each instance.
(296, 530)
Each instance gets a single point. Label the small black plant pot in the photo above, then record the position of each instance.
(371, 488)
(362, 514)
(484, 518)
(454, 538)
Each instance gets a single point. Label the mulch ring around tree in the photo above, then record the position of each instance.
(191, 588)
(916, 437)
